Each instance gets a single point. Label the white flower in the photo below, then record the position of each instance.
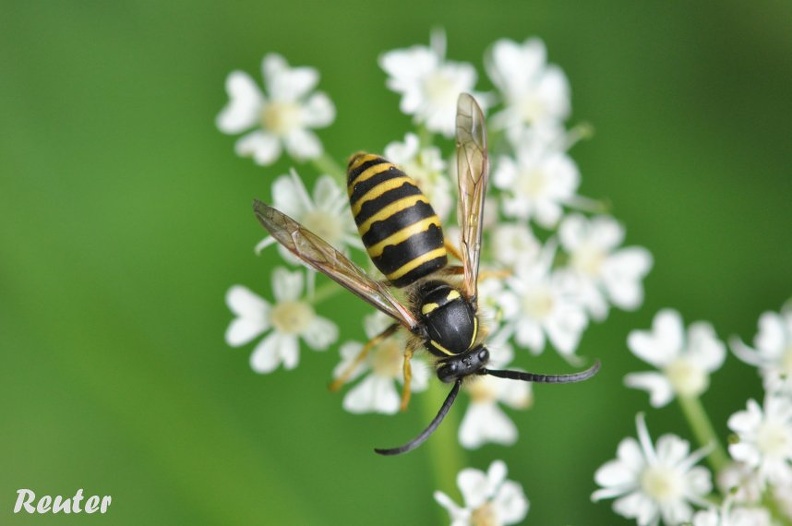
(489, 498)
(497, 306)
(484, 421)
(740, 482)
(537, 184)
(765, 439)
(650, 483)
(605, 273)
(288, 320)
(282, 118)
(429, 84)
(773, 350)
(514, 243)
(534, 93)
(384, 364)
(325, 214)
(685, 360)
(548, 307)
(427, 167)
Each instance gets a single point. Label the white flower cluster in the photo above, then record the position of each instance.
(550, 264)
(661, 484)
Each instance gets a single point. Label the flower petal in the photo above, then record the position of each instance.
(483, 423)
(303, 144)
(252, 315)
(244, 106)
(318, 111)
(286, 286)
(266, 356)
(656, 384)
(263, 147)
(320, 333)
(373, 394)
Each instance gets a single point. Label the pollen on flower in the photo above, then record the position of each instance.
(292, 317)
(663, 483)
(484, 515)
(538, 303)
(388, 359)
(687, 378)
(281, 117)
(482, 391)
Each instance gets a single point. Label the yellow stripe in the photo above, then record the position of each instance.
(415, 263)
(360, 158)
(426, 308)
(393, 208)
(371, 171)
(402, 235)
(440, 348)
(385, 186)
(475, 332)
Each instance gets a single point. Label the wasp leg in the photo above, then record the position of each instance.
(453, 250)
(407, 370)
(336, 384)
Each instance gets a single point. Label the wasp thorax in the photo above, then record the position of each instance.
(449, 318)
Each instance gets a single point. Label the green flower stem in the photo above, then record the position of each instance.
(327, 165)
(425, 137)
(445, 454)
(771, 505)
(704, 432)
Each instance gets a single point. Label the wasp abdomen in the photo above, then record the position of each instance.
(399, 227)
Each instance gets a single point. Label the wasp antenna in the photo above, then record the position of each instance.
(417, 441)
(545, 378)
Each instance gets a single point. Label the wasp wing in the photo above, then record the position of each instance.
(319, 255)
(472, 173)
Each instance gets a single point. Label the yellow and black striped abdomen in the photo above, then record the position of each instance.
(399, 227)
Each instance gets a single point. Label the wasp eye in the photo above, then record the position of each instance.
(483, 356)
(448, 372)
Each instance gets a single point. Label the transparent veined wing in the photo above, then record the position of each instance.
(321, 256)
(473, 174)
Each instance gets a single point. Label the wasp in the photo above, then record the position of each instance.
(404, 239)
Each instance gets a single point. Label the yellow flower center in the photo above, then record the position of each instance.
(530, 108)
(280, 117)
(292, 317)
(531, 182)
(773, 439)
(538, 303)
(687, 378)
(481, 390)
(484, 515)
(439, 88)
(388, 358)
(588, 260)
(662, 483)
(325, 225)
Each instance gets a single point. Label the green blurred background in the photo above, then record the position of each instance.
(125, 216)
